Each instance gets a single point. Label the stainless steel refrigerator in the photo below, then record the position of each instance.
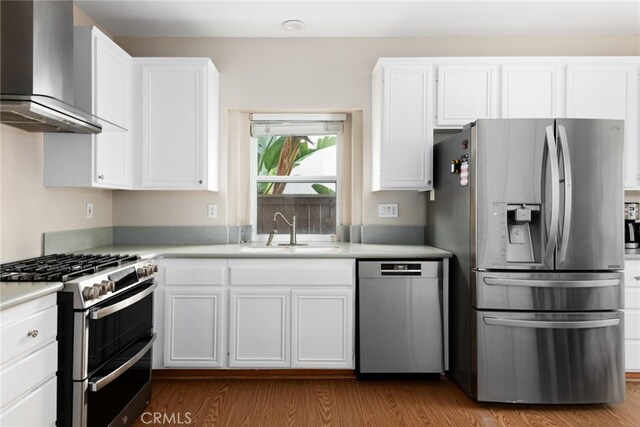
(533, 211)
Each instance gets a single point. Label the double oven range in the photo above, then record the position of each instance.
(105, 333)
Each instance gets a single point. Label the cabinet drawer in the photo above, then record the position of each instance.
(632, 355)
(195, 272)
(36, 409)
(27, 373)
(26, 334)
(291, 272)
(632, 297)
(632, 324)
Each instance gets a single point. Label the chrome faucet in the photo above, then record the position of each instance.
(293, 239)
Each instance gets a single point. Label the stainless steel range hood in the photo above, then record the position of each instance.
(36, 77)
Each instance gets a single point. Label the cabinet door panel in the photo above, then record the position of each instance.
(112, 77)
(321, 325)
(259, 328)
(465, 93)
(402, 137)
(531, 91)
(174, 125)
(407, 140)
(193, 328)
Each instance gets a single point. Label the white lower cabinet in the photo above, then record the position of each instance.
(193, 327)
(28, 363)
(632, 315)
(321, 322)
(255, 313)
(259, 328)
(189, 313)
(291, 313)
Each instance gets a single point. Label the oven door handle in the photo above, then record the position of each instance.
(104, 381)
(104, 312)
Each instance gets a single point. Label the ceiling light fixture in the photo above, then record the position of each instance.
(293, 25)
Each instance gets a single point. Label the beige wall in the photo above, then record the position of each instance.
(256, 74)
(28, 209)
(298, 74)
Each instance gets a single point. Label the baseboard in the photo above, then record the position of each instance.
(632, 376)
(253, 374)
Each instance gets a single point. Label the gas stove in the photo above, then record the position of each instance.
(60, 267)
(91, 278)
(105, 333)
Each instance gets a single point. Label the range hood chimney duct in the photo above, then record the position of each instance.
(36, 76)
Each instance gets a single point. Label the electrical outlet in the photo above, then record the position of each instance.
(388, 210)
(212, 211)
(89, 212)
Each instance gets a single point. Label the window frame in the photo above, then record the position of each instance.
(255, 179)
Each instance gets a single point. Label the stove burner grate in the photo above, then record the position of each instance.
(60, 267)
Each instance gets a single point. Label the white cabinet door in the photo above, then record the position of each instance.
(102, 85)
(632, 315)
(402, 127)
(466, 92)
(608, 91)
(259, 329)
(198, 278)
(112, 102)
(178, 123)
(322, 329)
(531, 91)
(193, 331)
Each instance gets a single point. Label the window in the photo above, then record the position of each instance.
(295, 171)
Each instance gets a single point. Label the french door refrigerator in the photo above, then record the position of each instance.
(533, 211)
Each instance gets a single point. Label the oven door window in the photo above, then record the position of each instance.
(105, 404)
(114, 332)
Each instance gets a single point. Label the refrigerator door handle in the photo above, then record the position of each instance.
(560, 284)
(543, 324)
(552, 152)
(566, 225)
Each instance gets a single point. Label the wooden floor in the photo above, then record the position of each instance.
(347, 402)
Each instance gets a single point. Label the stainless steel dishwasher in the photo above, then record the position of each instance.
(402, 317)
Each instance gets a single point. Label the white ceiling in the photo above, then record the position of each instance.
(362, 18)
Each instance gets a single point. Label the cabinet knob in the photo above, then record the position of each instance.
(637, 278)
(200, 182)
(33, 333)
(100, 176)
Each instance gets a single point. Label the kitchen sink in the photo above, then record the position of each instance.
(291, 249)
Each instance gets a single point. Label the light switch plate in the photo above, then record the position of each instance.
(89, 210)
(387, 210)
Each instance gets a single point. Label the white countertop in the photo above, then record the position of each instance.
(14, 293)
(260, 250)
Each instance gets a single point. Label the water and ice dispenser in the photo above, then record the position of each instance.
(523, 234)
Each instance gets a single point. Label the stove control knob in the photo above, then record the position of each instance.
(155, 268)
(103, 287)
(111, 286)
(90, 293)
(141, 272)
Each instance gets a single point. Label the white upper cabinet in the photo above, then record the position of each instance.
(402, 126)
(177, 108)
(609, 90)
(102, 86)
(466, 92)
(531, 91)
